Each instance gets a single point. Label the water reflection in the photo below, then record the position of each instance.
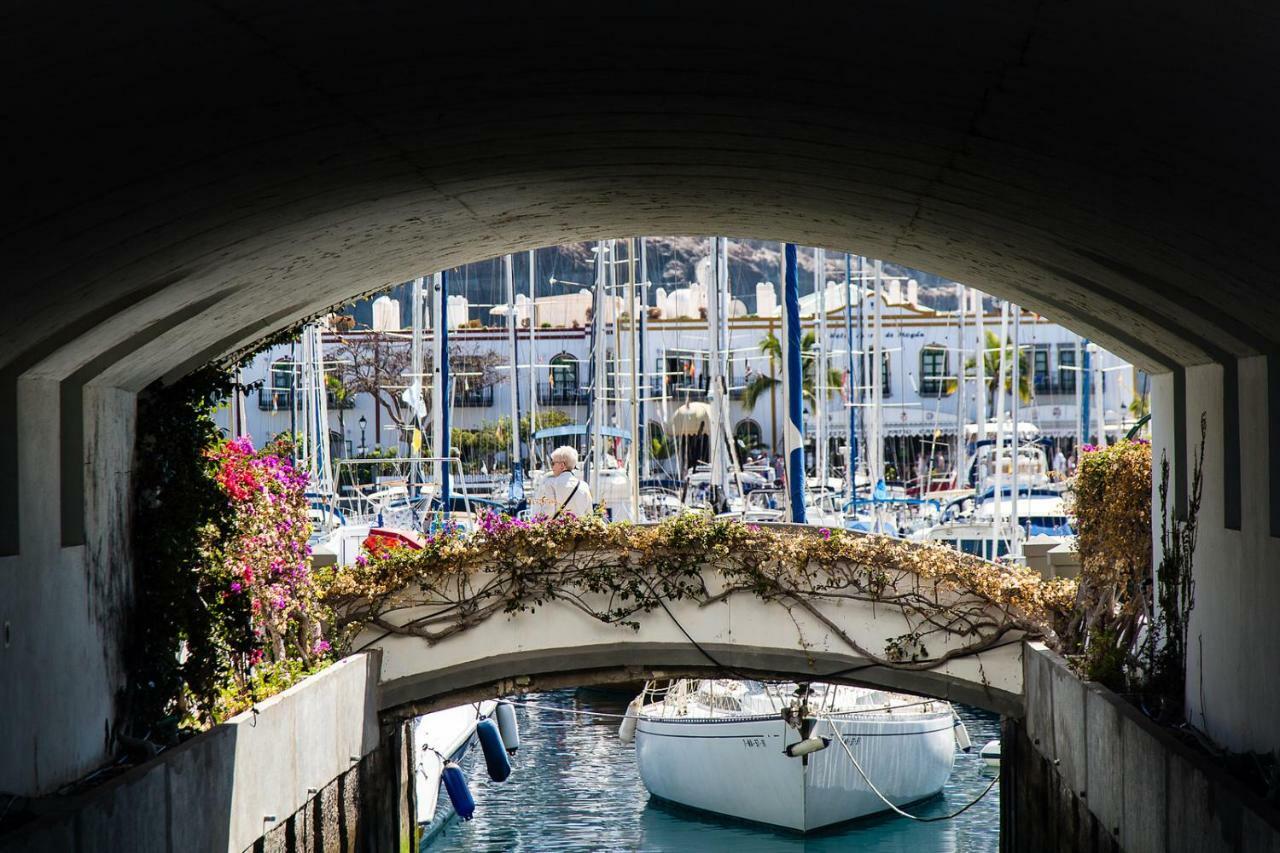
(575, 786)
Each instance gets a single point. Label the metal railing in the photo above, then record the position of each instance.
(561, 395)
(475, 397)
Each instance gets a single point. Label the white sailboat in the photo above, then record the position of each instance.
(796, 756)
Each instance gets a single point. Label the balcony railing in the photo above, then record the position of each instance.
(274, 400)
(475, 397)
(561, 395)
(1048, 385)
(282, 399)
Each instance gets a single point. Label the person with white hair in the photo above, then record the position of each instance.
(562, 492)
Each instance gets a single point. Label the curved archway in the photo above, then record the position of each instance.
(232, 171)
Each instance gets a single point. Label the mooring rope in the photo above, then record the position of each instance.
(565, 710)
(885, 799)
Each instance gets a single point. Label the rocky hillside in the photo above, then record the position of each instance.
(671, 263)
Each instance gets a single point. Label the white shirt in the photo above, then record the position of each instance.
(555, 490)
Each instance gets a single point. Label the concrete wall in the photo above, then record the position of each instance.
(1233, 625)
(1087, 771)
(63, 606)
(304, 765)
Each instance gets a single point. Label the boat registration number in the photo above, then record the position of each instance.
(754, 742)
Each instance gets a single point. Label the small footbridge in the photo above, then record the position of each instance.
(520, 606)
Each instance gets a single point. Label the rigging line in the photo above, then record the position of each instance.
(565, 710)
(885, 800)
(840, 673)
(689, 637)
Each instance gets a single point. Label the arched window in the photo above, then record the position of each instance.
(935, 364)
(277, 392)
(563, 387)
(748, 434)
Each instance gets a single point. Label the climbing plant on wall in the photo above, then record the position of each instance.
(618, 572)
(1111, 503)
(1129, 630)
(179, 639)
(1165, 651)
(225, 603)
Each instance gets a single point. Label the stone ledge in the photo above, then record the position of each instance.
(215, 791)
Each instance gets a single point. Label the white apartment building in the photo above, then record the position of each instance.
(922, 353)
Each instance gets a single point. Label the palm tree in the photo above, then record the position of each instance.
(343, 399)
(991, 364)
(772, 347)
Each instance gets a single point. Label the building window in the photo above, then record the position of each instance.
(564, 371)
(277, 393)
(1040, 368)
(563, 387)
(682, 374)
(472, 387)
(934, 372)
(1066, 368)
(748, 435)
(886, 390)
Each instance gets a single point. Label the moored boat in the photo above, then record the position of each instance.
(440, 737)
(796, 756)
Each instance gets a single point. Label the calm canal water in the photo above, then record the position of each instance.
(575, 786)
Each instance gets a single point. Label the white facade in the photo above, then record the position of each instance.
(922, 349)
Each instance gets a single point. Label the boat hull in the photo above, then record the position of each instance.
(736, 767)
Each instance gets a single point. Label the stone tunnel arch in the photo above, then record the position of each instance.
(228, 171)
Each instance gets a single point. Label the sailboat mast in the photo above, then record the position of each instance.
(1017, 436)
(979, 313)
(851, 442)
(997, 517)
(440, 385)
(1085, 380)
(533, 361)
(600, 382)
(961, 385)
(508, 268)
(642, 321)
(792, 387)
(876, 366)
(633, 405)
(415, 383)
(861, 418)
(1097, 393)
(820, 367)
(714, 385)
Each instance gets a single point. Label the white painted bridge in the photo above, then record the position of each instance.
(828, 636)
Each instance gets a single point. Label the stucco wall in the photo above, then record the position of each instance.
(1088, 772)
(226, 788)
(1234, 638)
(63, 609)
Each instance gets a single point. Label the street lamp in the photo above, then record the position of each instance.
(363, 423)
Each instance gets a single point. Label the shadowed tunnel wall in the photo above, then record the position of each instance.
(187, 177)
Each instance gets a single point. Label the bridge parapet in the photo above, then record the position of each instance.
(582, 597)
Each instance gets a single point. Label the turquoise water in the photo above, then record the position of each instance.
(575, 786)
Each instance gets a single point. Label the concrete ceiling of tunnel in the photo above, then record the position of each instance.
(186, 177)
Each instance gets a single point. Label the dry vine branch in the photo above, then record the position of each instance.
(512, 566)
